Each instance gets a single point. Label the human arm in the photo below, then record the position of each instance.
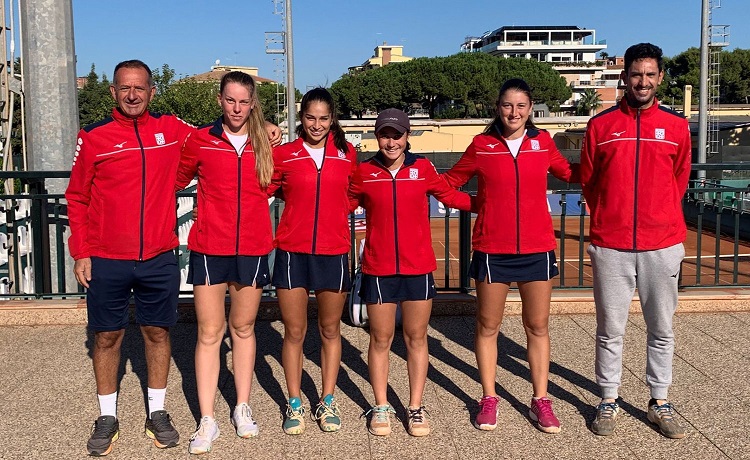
(586, 171)
(561, 168)
(438, 186)
(78, 197)
(82, 271)
(188, 163)
(355, 190)
(274, 134)
(464, 169)
(682, 162)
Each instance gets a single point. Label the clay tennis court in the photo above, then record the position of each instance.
(575, 274)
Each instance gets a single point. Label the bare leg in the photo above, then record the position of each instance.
(382, 318)
(106, 360)
(245, 301)
(209, 311)
(535, 296)
(330, 308)
(293, 305)
(158, 354)
(490, 308)
(416, 318)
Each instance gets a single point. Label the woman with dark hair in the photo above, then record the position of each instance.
(313, 240)
(229, 246)
(513, 241)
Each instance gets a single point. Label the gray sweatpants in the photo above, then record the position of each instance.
(616, 275)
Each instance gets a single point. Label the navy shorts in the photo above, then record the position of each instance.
(311, 271)
(154, 284)
(396, 288)
(244, 270)
(506, 268)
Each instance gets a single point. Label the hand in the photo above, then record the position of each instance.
(195, 213)
(82, 271)
(274, 134)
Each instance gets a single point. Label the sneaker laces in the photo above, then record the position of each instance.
(417, 415)
(665, 411)
(544, 407)
(245, 413)
(324, 411)
(488, 405)
(201, 431)
(162, 423)
(290, 413)
(607, 410)
(380, 413)
(99, 431)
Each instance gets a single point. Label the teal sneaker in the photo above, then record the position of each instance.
(294, 419)
(327, 414)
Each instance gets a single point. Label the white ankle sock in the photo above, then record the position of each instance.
(108, 404)
(156, 399)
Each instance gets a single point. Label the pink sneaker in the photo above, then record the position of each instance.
(541, 412)
(487, 416)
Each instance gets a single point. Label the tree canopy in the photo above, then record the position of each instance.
(463, 85)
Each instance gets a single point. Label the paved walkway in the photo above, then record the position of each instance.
(47, 395)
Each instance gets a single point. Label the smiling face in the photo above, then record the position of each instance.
(236, 104)
(514, 109)
(393, 145)
(316, 121)
(641, 81)
(132, 91)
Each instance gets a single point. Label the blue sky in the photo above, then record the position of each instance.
(330, 36)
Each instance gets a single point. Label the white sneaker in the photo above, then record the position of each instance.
(204, 436)
(242, 419)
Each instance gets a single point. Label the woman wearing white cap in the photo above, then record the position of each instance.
(398, 260)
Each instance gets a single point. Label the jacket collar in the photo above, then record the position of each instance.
(127, 121)
(409, 158)
(626, 108)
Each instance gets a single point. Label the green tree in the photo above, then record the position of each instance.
(95, 101)
(589, 101)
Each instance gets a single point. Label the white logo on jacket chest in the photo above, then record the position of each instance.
(534, 144)
(618, 133)
(342, 154)
(492, 146)
(119, 146)
(376, 174)
(659, 133)
(294, 154)
(159, 139)
(216, 142)
(413, 173)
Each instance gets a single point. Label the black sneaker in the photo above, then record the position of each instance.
(159, 428)
(104, 433)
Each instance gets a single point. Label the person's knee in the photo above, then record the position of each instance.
(108, 339)
(331, 331)
(415, 338)
(537, 328)
(487, 328)
(155, 334)
(295, 333)
(211, 335)
(381, 340)
(243, 331)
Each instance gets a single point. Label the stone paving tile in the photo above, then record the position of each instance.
(48, 396)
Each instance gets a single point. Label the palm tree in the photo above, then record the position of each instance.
(589, 101)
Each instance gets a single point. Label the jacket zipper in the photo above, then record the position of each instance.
(317, 200)
(239, 195)
(637, 161)
(143, 188)
(395, 222)
(518, 206)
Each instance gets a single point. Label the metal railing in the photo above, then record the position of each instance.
(34, 230)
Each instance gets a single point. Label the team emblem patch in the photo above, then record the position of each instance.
(659, 133)
(159, 139)
(413, 173)
(534, 144)
(342, 154)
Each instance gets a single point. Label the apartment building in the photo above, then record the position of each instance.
(570, 50)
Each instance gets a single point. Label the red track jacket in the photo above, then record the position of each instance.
(121, 198)
(316, 210)
(233, 216)
(635, 166)
(398, 236)
(513, 214)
